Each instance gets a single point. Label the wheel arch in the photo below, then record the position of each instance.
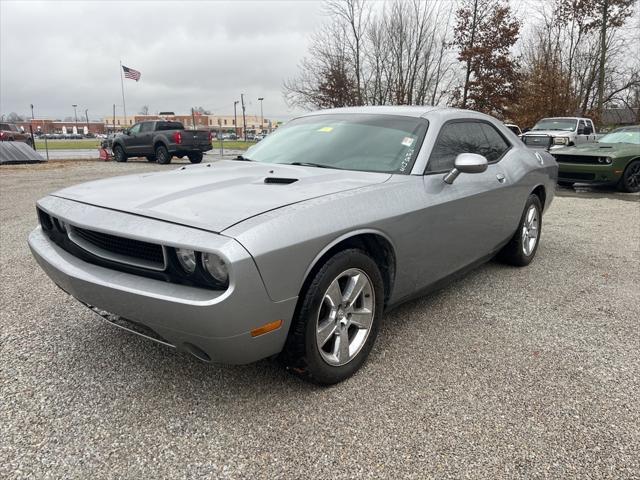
(541, 192)
(375, 243)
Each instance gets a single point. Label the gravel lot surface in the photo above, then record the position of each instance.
(508, 373)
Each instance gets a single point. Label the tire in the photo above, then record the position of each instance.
(520, 252)
(565, 184)
(151, 158)
(118, 154)
(329, 312)
(195, 157)
(163, 155)
(630, 181)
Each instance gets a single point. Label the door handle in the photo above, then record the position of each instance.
(501, 178)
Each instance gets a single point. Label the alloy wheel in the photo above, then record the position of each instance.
(530, 230)
(345, 317)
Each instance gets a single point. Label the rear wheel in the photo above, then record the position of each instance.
(163, 155)
(118, 154)
(195, 157)
(630, 181)
(337, 321)
(522, 248)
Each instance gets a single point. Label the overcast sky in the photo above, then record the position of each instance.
(191, 53)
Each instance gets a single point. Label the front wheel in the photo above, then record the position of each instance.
(337, 321)
(522, 248)
(163, 155)
(118, 154)
(195, 157)
(630, 181)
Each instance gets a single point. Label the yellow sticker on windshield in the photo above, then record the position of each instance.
(325, 129)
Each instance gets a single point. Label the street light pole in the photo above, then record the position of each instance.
(75, 113)
(244, 118)
(235, 118)
(260, 99)
(86, 115)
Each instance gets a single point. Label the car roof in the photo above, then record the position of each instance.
(416, 111)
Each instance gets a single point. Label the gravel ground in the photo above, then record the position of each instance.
(508, 373)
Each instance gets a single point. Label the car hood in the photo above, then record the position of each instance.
(551, 133)
(218, 195)
(600, 150)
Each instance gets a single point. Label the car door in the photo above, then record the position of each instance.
(144, 140)
(469, 219)
(130, 140)
(582, 135)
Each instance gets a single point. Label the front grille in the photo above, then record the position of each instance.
(537, 141)
(577, 175)
(125, 250)
(580, 159)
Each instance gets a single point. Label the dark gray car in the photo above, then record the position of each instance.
(299, 247)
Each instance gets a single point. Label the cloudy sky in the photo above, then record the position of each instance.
(191, 53)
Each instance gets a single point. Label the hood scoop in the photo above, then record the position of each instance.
(280, 180)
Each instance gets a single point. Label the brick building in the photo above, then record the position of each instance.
(222, 123)
(56, 126)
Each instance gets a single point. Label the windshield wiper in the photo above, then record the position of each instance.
(309, 164)
(243, 158)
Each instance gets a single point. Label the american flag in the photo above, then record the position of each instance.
(131, 73)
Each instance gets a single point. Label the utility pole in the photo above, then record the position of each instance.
(114, 118)
(193, 118)
(31, 128)
(75, 113)
(260, 99)
(244, 118)
(86, 115)
(235, 118)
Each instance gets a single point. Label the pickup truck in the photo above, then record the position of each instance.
(159, 141)
(9, 132)
(559, 132)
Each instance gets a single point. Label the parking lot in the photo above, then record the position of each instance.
(507, 373)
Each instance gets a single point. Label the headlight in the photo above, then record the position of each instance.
(187, 259)
(560, 140)
(215, 266)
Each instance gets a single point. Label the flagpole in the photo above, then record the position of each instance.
(124, 106)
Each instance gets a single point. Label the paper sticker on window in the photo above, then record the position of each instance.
(325, 129)
(407, 141)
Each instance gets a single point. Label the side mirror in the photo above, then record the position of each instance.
(466, 163)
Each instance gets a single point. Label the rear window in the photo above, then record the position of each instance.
(170, 126)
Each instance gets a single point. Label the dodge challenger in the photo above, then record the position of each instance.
(297, 248)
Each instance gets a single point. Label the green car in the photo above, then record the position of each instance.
(614, 159)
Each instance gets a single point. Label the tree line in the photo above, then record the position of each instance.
(577, 57)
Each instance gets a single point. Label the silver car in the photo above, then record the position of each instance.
(297, 248)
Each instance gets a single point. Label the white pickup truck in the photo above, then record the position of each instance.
(560, 132)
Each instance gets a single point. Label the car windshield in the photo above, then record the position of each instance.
(364, 142)
(563, 124)
(623, 135)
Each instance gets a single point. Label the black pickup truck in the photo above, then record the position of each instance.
(159, 140)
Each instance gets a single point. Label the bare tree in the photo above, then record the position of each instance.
(398, 54)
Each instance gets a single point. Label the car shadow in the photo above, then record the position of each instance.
(596, 191)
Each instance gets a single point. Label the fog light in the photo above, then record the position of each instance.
(187, 259)
(216, 267)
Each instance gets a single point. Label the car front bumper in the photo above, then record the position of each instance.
(588, 173)
(191, 319)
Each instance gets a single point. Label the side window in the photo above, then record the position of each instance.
(455, 138)
(146, 127)
(495, 145)
(135, 129)
(581, 126)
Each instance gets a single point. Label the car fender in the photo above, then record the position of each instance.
(342, 238)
